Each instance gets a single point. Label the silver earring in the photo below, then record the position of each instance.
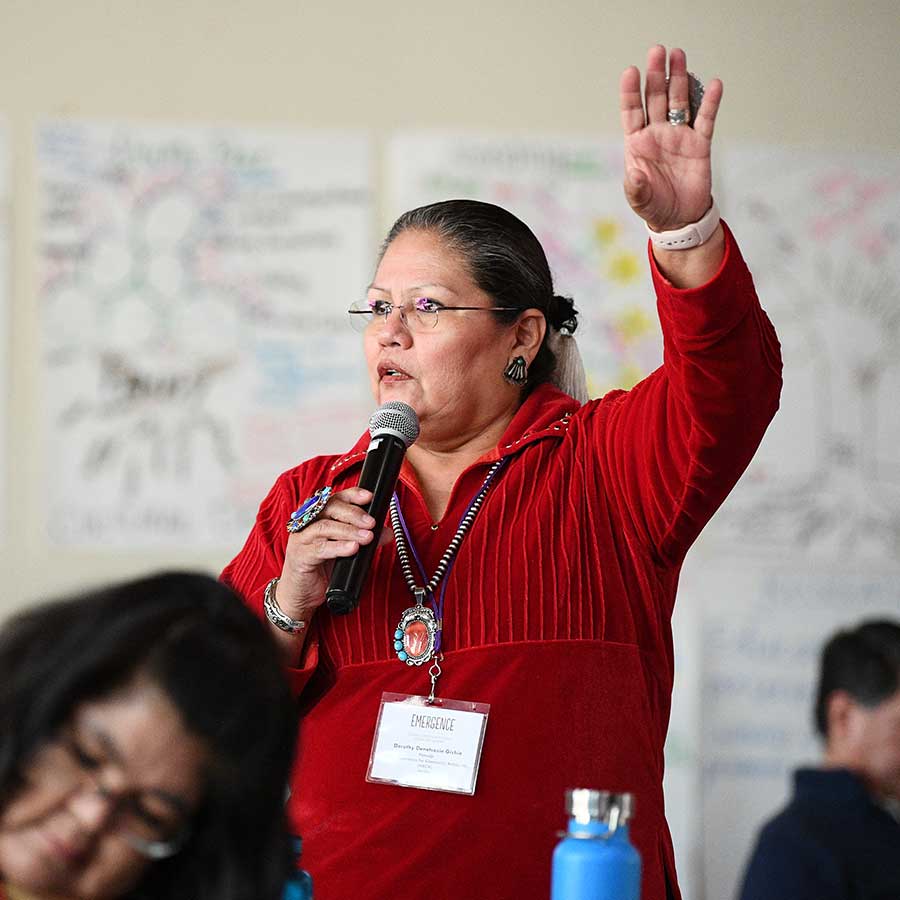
(516, 372)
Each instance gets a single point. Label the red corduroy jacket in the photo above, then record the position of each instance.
(557, 613)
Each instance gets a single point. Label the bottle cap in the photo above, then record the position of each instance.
(586, 805)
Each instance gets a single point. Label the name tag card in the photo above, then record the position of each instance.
(435, 747)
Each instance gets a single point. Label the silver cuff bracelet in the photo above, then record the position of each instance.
(274, 613)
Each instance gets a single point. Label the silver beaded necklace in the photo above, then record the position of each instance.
(417, 638)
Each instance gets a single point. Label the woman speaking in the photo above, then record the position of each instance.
(518, 605)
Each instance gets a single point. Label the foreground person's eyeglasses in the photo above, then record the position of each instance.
(155, 828)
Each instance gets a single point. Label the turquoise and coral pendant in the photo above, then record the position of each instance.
(415, 635)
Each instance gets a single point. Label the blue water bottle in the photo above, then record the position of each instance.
(299, 885)
(595, 860)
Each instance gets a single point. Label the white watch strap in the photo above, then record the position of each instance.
(692, 235)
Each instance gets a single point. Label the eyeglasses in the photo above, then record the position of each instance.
(154, 827)
(418, 317)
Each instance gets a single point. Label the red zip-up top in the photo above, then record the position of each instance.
(557, 614)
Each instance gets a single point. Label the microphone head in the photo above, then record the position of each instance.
(395, 418)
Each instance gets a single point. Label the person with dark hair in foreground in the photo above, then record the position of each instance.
(146, 736)
(537, 538)
(839, 836)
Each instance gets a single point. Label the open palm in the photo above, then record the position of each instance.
(668, 179)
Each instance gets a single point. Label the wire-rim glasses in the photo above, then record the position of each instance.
(419, 317)
(64, 765)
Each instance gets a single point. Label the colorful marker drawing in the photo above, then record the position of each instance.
(192, 285)
(820, 234)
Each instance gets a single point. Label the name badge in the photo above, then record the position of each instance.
(435, 747)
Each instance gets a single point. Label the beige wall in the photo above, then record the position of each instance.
(817, 73)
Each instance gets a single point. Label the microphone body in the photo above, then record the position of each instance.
(393, 427)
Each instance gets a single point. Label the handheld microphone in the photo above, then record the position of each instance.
(393, 427)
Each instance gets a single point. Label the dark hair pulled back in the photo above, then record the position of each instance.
(505, 260)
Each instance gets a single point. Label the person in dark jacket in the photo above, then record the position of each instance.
(839, 836)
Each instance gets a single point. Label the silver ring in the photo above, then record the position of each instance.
(677, 116)
(309, 510)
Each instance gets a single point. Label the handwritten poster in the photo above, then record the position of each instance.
(820, 233)
(808, 541)
(569, 192)
(193, 285)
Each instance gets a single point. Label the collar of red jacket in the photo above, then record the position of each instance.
(545, 415)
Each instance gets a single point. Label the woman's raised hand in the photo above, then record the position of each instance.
(668, 179)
